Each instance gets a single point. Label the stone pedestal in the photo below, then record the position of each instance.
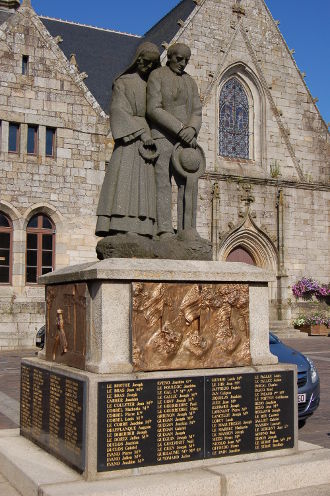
(152, 366)
(107, 306)
(107, 426)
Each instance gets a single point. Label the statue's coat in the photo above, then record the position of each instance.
(128, 192)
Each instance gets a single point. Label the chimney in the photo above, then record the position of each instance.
(9, 4)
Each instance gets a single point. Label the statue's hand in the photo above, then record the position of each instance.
(193, 143)
(187, 134)
(149, 143)
(148, 149)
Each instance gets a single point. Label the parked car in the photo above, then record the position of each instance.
(308, 377)
(40, 337)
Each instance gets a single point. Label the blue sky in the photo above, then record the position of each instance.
(304, 24)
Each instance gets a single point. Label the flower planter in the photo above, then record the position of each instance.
(315, 330)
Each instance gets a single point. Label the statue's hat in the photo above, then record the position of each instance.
(188, 162)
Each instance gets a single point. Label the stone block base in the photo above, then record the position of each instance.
(147, 423)
(120, 314)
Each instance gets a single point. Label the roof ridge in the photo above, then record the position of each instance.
(89, 26)
(164, 17)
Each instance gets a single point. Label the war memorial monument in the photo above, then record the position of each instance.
(157, 376)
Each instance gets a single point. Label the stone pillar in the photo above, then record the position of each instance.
(4, 135)
(109, 341)
(42, 141)
(259, 326)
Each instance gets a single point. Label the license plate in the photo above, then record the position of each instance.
(301, 398)
(38, 340)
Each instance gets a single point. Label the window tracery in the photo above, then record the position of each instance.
(234, 120)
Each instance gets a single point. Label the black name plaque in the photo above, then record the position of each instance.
(248, 413)
(151, 422)
(53, 413)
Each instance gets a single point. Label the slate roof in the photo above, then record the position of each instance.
(167, 27)
(103, 53)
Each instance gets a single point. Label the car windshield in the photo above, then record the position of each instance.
(273, 339)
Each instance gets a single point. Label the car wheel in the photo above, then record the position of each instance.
(301, 423)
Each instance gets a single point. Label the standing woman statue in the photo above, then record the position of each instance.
(127, 202)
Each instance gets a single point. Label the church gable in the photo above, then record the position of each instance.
(288, 135)
(53, 131)
(40, 82)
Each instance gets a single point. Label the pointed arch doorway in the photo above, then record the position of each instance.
(240, 254)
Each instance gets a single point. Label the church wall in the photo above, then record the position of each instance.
(307, 230)
(292, 139)
(289, 152)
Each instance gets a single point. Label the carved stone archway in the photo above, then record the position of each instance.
(247, 235)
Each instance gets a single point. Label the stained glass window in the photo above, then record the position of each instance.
(234, 120)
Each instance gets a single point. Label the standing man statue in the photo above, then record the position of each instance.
(175, 113)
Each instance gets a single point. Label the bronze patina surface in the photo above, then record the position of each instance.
(66, 324)
(190, 326)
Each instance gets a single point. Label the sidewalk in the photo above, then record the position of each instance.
(7, 490)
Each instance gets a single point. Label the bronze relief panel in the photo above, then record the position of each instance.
(66, 324)
(190, 326)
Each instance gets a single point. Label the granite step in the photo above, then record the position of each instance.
(323, 490)
(33, 472)
(284, 331)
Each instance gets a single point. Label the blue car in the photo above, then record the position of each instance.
(308, 377)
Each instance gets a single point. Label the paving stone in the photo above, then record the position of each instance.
(323, 490)
(7, 490)
(317, 427)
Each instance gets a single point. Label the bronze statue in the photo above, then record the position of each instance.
(127, 202)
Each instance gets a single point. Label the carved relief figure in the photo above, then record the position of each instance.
(177, 326)
(127, 202)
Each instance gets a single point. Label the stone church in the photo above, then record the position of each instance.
(263, 200)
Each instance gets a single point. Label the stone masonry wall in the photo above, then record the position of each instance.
(290, 143)
(289, 154)
(65, 187)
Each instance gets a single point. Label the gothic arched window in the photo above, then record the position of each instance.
(234, 120)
